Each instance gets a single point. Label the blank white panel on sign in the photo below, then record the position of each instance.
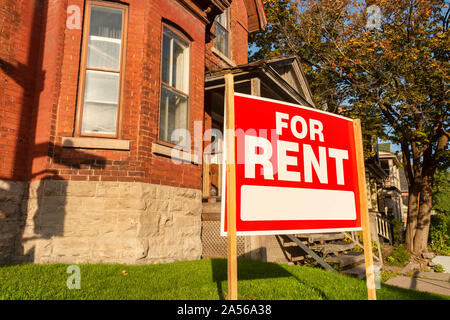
(261, 203)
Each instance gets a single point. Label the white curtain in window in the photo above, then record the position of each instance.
(175, 61)
(179, 64)
(104, 43)
(173, 114)
(100, 102)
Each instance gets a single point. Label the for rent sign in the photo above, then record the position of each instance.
(296, 169)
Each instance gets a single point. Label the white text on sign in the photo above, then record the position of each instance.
(258, 150)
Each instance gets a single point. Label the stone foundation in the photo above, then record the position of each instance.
(107, 222)
(11, 198)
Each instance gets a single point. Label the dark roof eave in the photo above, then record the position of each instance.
(376, 169)
(252, 69)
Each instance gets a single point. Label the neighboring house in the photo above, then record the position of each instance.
(405, 195)
(393, 188)
(91, 96)
(384, 194)
(375, 179)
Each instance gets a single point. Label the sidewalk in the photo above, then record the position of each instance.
(424, 281)
(444, 261)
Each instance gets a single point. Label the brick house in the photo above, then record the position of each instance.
(92, 93)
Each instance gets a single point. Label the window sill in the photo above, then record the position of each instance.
(174, 153)
(223, 57)
(95, 143)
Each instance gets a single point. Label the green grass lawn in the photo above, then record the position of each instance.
(203, 279)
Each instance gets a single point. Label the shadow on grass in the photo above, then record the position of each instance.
(251, 270)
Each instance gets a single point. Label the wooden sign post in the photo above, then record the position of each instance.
(365, 219)
(231, 188)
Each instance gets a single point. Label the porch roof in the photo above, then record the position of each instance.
(283, 77)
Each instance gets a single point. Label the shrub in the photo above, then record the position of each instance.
(398, 257)
(438, 268)
(440, 233)
(397, 230)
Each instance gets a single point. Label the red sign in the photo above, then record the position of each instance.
(296, 169)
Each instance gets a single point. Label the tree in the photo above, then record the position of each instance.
(386, 62)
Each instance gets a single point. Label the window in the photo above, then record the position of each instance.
(221, 30)
(174, 86)
(101, 79)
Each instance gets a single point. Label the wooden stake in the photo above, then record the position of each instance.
(365, 220)
(231, 188)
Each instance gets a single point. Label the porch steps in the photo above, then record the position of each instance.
(335, 248)
(331, 247)
(281, 249)
(211, 207)
(346, 260)
(319, 237)
(211, 211)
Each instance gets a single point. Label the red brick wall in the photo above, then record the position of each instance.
(20, 26)
(56, 96)
(161, 169)
(42, 131)
(239, 29)
(238, 39)
(40, 64)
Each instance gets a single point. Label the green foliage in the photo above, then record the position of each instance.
(190, 280)
(441, 196)
(397, 230)
(386, 275)
(439, 235)
(438, 268)
(398, 257)
(382, 76)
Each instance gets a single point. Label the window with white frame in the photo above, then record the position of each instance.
(221, 31)
(174, 86)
